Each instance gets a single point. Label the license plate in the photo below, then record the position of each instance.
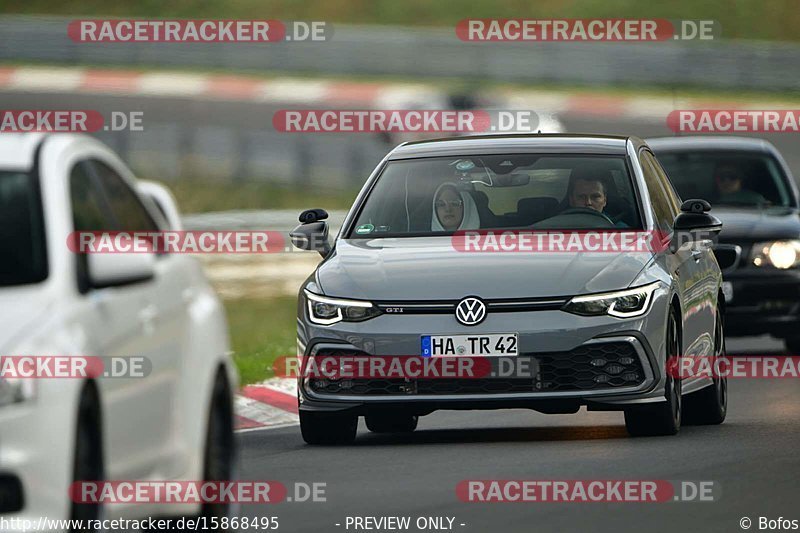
(469, 345)
(727, 291)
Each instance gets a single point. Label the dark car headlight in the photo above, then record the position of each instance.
(628, 303)
(779, 254)
(325, 311)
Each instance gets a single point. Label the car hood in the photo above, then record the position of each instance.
(20, 310)
(428, 268)
(740, 224)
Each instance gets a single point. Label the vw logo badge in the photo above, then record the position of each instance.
(470, 311)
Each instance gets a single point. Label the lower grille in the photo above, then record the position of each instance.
(596, 366)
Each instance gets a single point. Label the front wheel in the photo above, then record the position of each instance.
(662, 418)
(219, 447)
(792, 345)
(328, 428)
(709, 405)
(88, 459)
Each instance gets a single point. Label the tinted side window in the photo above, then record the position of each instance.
(23, 250)
(672, 195)
(126, 206)
(662, 205)
(89, 211)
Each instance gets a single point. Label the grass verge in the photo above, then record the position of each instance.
(740, 19)
(204, 197)
(261, 331)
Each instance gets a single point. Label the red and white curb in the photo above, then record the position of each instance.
(271, 404)
(335, 93)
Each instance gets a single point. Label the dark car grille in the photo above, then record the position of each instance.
(597, 366)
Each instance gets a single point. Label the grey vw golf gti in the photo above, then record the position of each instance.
(595, 327)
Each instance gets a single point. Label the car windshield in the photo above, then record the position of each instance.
(22, 243)
(438, 196)
(745, 179)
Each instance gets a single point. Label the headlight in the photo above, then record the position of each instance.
(622, 304)
(16, 390)
(780, 254)
(325, 311)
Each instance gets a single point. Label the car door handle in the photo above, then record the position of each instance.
(147, 318)
(187, 295)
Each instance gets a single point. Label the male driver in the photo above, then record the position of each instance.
(730, 184)
(589, 191)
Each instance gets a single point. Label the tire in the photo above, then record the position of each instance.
(218, 459)
(328, 428)
(662, 418)
(792, 345)
(709, 405)
(391, 422)
(88, 460)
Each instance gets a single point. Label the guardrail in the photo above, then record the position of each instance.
(189, 142)
(434, 53)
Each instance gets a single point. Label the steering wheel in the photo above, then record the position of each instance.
(586, 211)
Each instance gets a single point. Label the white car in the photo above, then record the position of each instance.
(174, 424)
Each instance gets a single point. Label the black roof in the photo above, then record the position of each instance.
(699, 143)
(515, 143)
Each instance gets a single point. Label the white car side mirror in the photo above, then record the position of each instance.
(164, 202)
(113, 270)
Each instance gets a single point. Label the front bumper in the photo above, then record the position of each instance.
(36, 461)
(764, 301)
(548, 336)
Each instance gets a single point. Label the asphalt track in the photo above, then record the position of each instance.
(752, 457)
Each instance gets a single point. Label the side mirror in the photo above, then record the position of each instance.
(694, 224)
(164, 201)
(114, 270)
(312, 234)
(697, 205)
(313, 215)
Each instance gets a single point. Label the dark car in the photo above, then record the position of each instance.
(754, 194)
